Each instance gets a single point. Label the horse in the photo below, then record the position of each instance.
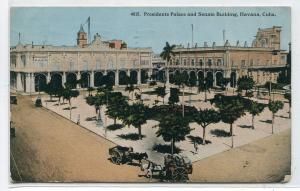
(138, 157)
(150, 168)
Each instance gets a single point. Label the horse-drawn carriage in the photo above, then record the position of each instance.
(120, 155)
(176, 168)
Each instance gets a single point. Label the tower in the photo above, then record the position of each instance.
(268, 38)
(81, 38)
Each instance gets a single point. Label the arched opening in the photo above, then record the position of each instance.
(71, 80)
(233, 79)
(161, 76)
(144, 76)
(56, 81)
(98, 79)
(133, 77)
(200, 76)
(123, 80)
(210, 79)
(193, 78)
(111, 77)
(171, 76)
(40, 82)
(85, 80)
(219, 78)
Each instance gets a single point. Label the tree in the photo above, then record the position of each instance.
(174, 98)
(97, 101)
(274, 107)
(68, 94)
(181, 80)
(192, 81)
(161, 92)
(204, 85)
(245, 83)
(167, 52)
(130, 88)
(115, 105)
(90, 89)
(206, 117)
(289, 98)
(138, 115)
(230, 109)
(59, 94)
(173, 129)
(255, 109)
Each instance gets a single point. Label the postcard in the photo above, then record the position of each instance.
(150, 94)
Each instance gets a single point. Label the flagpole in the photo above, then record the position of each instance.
(192, 35)
(89, 29)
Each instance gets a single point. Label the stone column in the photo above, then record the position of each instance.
(92, 84)
(19, 82)
(48, 77)
(64, 79)
(78, 78)
(139, 77)
(27, 82)
(32, 83)
(215, 79)
(128, 72)
(117, 78)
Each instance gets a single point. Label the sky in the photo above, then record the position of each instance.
(59, 25)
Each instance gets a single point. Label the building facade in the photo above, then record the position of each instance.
(263, 60)
(33, 65)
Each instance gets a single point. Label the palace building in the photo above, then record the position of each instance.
(32, 65)
(263, 60)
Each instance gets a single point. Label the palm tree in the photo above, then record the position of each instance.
(173, 129)
(167, 52)
(274, 107)
(206, 117)
(255, 109)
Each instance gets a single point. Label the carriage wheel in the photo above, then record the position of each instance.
(180, 175)
(116, 158)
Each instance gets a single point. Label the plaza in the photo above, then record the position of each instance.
(219, 141)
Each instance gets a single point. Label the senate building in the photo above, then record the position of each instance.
(32, 65)
(263, 60)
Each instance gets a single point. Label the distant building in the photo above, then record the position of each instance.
(263, 60)
(32, 66)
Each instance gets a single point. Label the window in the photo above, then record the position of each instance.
(243, 63)
(184, 62)
(201, 62)
(209, 62)
(23, 60)
(219, 62)
(177, 61)
(251, 62)
(193, 62)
